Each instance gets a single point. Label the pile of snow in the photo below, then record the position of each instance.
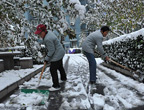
(28, 99)
(80, 8)
(125, 37)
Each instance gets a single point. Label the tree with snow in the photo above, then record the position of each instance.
(124, 16)
(52, 13)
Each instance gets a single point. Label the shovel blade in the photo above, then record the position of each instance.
(44, 92)
(35, 90)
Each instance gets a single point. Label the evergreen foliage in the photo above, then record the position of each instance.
(14, 25)
(124, 16)
(128, 53)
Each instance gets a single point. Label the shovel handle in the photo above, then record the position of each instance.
(42, 70)
(119, 64)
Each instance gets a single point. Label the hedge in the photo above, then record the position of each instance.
(129, 52)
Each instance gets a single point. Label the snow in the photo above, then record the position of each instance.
(119, 92)
(123, 89)
(124, 37)
(10, 76)
(17, 52)
(12, 48)
(29, 99)
(1, 60)
(80, 8)
(25, 58)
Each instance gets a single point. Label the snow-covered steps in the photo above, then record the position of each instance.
(11, 79)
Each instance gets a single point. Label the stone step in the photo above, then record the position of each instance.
(8, 90)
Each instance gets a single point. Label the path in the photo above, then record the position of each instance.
(114, 91)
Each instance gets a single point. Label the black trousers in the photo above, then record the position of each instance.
(54, 66)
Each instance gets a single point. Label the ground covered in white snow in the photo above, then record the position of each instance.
(8, 77)
(120, 92)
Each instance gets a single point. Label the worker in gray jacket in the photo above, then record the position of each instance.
(55, 54)
(88, 47)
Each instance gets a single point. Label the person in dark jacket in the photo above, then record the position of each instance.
(55, 54)
(88, 47)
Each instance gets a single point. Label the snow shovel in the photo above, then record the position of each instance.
(45, 94)
(136, 74)
(41, 73)
(36, 90)
(119, 65)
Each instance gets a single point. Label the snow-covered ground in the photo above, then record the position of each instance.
(8, 77)
(120, 92)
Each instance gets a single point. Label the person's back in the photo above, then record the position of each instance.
(93, 39)
(55, 48)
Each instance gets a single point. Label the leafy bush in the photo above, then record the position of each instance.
(129, 53)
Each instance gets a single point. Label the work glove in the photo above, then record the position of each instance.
(47, 59)
(47, 62)
(106, 59)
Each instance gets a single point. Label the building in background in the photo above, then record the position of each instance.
(74, 24)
